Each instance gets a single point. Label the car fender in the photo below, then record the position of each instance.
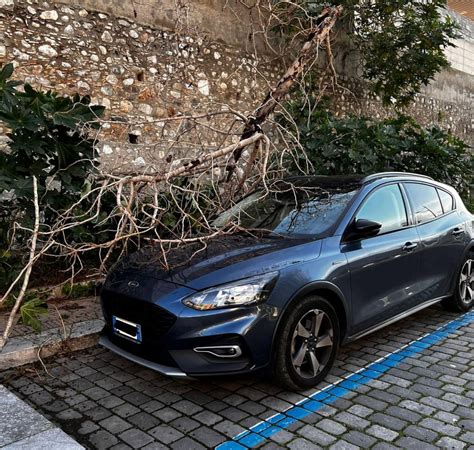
(308, 289)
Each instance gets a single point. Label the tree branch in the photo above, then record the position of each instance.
(324, 24)
(26, 277)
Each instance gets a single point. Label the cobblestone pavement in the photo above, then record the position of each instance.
(417, 399)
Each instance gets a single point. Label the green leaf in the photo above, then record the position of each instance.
(6, 73)
(31, 311)
(362, 145)
(71, 116)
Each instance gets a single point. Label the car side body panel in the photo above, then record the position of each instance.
(440, 252)
(384, 276)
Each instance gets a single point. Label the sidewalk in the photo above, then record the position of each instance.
(21, 427)
(70, 325)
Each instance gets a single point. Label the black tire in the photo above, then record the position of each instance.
(286, 353)
(457, 302)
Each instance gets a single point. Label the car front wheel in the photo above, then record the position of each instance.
(307, 344)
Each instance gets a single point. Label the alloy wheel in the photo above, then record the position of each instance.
(312, 343)
(466, 282)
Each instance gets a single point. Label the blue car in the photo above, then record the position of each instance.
(320, 261)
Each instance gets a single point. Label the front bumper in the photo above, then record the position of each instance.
(165, 370)
(175, 335)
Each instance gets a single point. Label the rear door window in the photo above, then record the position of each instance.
(425, 202)
(447, 200)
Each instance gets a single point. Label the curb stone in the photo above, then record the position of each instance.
(23, 350)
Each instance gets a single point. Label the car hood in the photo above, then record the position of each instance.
(214, 261)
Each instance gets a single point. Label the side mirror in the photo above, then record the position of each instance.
(363, 228)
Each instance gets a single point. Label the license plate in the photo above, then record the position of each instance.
(127, 329)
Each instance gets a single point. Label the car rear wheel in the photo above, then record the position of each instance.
(463, 298)
(307, 344)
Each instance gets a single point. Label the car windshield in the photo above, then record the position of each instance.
(301, 211)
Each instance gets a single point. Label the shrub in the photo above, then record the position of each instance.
(363, 145)
(48, 138)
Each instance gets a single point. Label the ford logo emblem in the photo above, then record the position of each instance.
(133, 284)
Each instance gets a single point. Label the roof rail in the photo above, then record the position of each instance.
(377, 176)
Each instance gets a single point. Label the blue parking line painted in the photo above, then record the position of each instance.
(265, 429)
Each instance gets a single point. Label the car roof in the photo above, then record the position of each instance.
(381, 175)
(348, 181)
(323, 181)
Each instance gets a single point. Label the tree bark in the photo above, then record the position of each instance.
(26, 277)
(324, 25)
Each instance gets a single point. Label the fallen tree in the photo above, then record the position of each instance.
(141, 202)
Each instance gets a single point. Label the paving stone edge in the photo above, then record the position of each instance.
(28, 349)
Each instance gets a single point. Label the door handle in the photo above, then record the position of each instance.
(458, 231)
(410, 246)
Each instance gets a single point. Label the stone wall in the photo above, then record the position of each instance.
(228, 21)
(151, 71)
(146, 77)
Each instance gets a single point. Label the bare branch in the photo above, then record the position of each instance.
(27, 274)
(324, 24)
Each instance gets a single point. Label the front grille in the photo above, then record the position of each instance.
(155, 321)
(155, 353)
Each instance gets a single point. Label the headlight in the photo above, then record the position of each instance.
(249, 291)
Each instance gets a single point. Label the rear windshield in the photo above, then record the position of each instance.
(310, 211)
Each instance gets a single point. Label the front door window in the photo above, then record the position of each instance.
(385, 206)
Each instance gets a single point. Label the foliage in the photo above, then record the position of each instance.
(47, 138)
(78, 290)
(362, 145)
(470, 205)
(401, 42)
(7, 263)
(30, 312)
(46, 141)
